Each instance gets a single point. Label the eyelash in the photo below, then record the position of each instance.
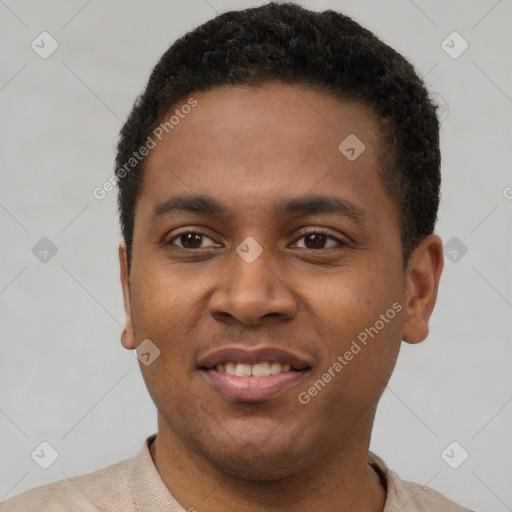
(304, 234)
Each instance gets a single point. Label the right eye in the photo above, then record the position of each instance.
(189, 240)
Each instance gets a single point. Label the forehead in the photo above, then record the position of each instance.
(247, 116)
(256, 144)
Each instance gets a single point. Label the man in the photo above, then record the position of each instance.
(278, 191)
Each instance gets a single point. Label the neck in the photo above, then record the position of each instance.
(345, 482)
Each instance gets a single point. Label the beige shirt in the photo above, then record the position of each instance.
(134, 485)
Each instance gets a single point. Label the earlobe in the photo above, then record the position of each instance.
(127, 339)
(127, 336)
(422, 283)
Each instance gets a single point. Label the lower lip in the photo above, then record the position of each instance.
(253, 389)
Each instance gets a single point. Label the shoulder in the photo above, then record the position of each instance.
(425, 499)
(105, 489)
(413, 497)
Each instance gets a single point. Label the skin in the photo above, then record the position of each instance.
(250, 147)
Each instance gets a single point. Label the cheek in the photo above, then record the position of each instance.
(161, 312)
(350, 298)
(159, 305)
(360, 317)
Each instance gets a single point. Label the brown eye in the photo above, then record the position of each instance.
(318, 239)
(315, 240)
(189, 240)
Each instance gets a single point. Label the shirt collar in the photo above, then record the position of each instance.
(151, 494)
(149, 491)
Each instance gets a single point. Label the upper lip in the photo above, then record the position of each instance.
(252, 356)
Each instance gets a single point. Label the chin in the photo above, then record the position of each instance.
(251, 463)
(265, 460)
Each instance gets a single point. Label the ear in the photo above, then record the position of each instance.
(422, 282)
(127, 337)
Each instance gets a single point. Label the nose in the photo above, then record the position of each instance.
(251, 291)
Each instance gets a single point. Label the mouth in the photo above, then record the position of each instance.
(253, 375)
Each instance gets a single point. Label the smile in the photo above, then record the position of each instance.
(255, 370)
(253, 375)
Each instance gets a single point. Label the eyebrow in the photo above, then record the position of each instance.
(304, 205)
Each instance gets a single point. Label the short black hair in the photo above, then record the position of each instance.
(294, 45)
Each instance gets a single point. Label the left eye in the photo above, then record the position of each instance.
(315, 239)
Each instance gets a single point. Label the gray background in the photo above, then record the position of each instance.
(65, 378)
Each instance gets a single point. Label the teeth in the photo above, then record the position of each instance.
(256, 370)
(230, 368)
(243, 370)
(260, 369)
(275, 368)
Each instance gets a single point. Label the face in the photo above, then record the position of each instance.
(287, 272)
